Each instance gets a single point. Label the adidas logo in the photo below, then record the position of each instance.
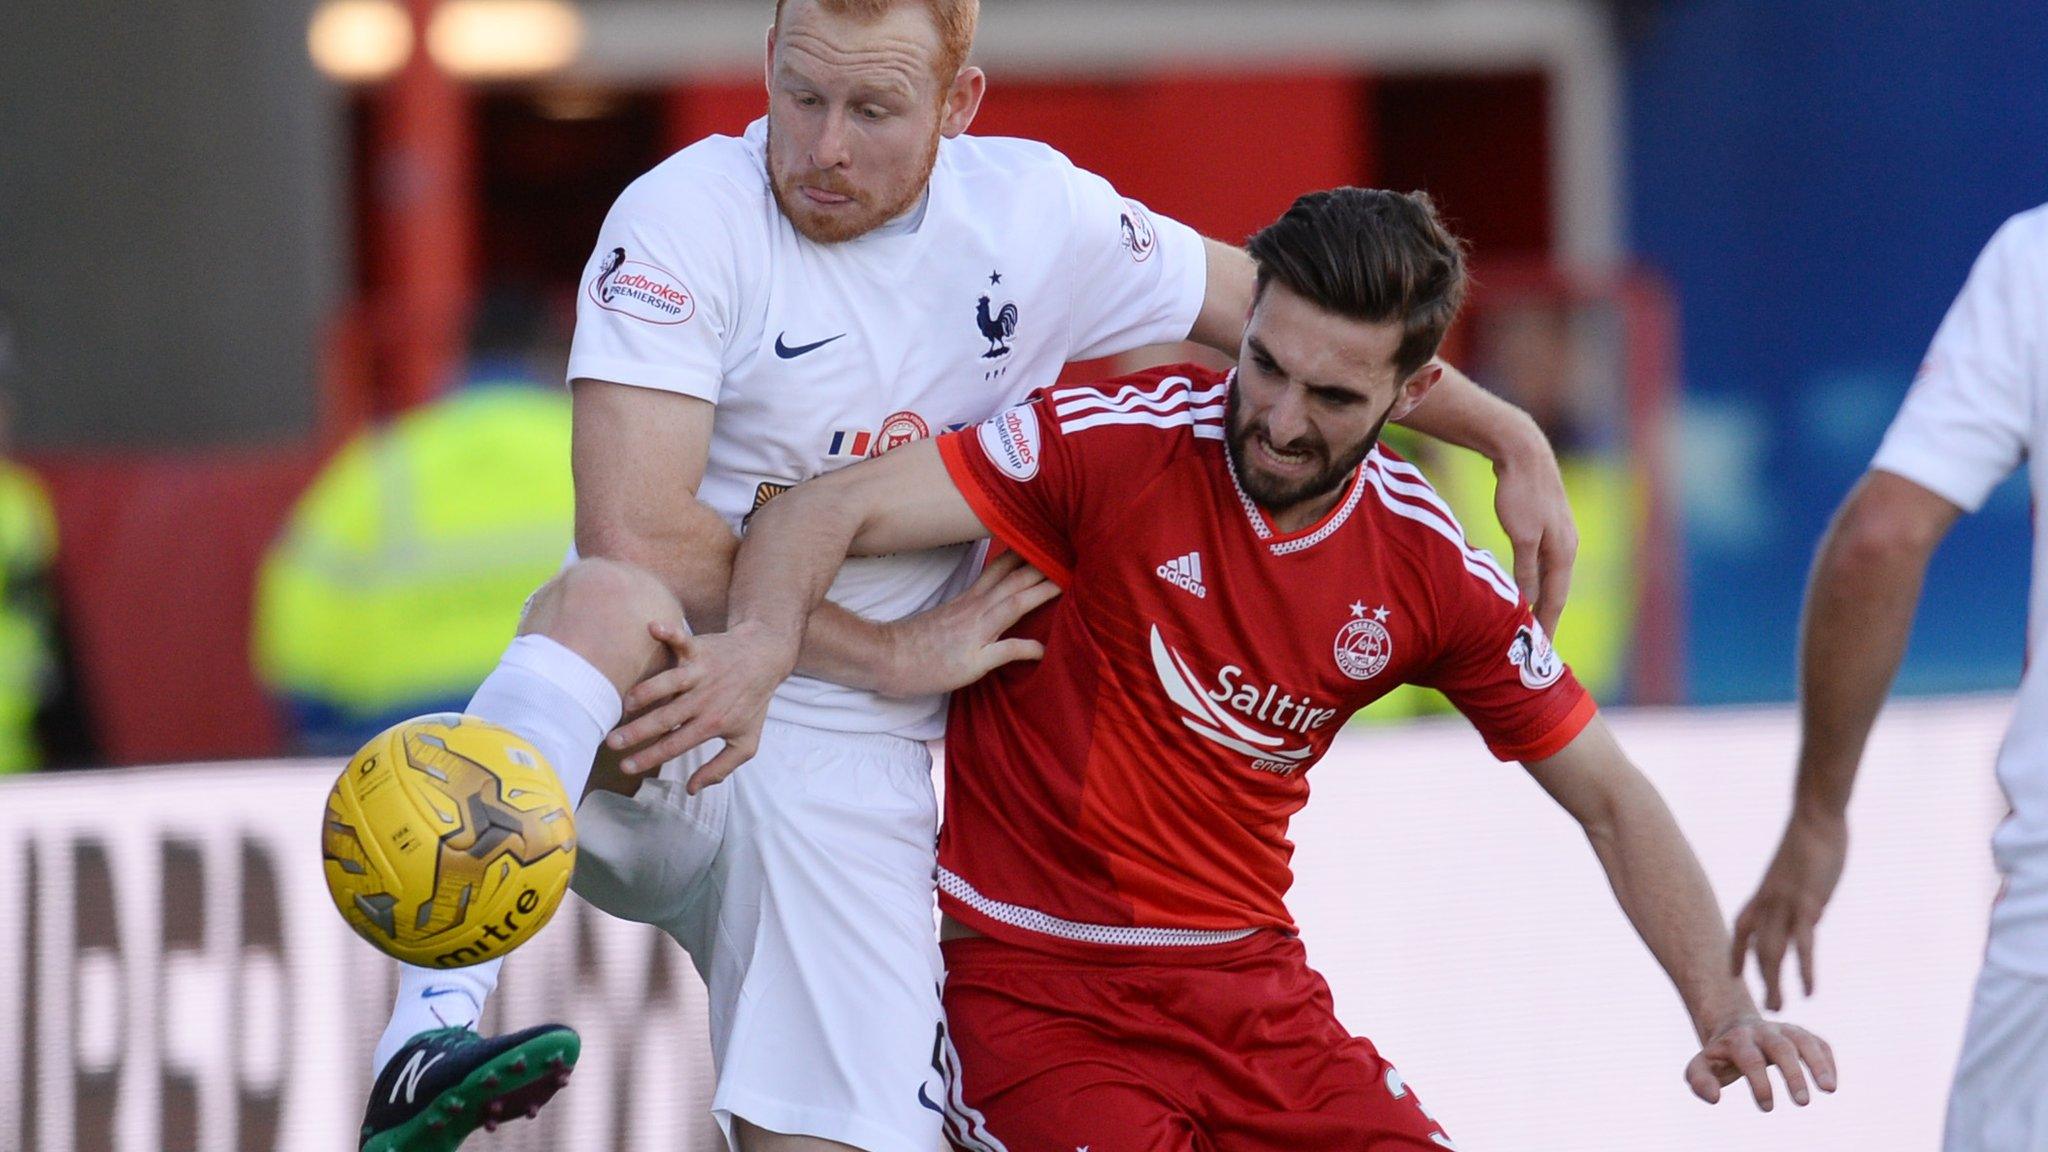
(1185, 573)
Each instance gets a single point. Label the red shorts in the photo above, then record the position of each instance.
(1233, 1047)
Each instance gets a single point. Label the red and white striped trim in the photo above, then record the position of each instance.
(1046, 924)
(1160, 396)
(1406, 494)
(965, 1125)
(1171, 403)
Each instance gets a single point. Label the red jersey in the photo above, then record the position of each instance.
(1134, 786)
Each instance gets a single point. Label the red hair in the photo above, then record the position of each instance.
(955, 20)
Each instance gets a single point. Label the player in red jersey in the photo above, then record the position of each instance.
(1242, 569)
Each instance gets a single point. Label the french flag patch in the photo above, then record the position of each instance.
(850, 444)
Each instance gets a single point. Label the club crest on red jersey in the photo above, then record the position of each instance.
(1364, 646)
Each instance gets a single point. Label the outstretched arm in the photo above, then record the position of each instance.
(1665, 894)
(1860, 602)
(1529, 498)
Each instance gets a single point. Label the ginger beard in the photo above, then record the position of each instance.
(865, 211)
(1276, 494)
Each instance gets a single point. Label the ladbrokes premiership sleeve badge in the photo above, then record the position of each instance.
(1011, 441)
(1534, 658)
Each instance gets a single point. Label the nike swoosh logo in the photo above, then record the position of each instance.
(927, 1101)
(788, 353)
(430, 993)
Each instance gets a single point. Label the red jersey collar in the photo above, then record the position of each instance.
(1283, 544)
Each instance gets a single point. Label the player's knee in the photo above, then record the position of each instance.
(599, 590)
(601, 609)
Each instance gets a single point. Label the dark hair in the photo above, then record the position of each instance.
(1371, 255)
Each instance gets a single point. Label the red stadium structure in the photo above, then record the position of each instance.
(1218, 115)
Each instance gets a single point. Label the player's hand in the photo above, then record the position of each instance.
(1530, 501)
(962, 640)
(1789, 902)
(1749, 1048)
(719, 689)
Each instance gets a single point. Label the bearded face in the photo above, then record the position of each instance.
(1314, 390)
(1305, 470)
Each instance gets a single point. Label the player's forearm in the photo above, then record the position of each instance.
(1226, 298)
(695, 559)
(1860, 603)
(780, 577)
(1664, 892)
(1460, 412)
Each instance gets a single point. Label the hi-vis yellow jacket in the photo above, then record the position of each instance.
(28, 548)
(400, 576)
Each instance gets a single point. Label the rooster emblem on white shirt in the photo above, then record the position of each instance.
(998, 328)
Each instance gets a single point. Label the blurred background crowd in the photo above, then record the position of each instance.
(286, 288)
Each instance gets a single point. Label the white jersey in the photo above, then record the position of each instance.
(1978, 409)
(818, 355)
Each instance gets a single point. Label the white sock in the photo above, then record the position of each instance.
(547, 693)
(430, 998)
(555, 698)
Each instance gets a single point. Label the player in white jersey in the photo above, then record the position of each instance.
(851, 274)
(1978, 409)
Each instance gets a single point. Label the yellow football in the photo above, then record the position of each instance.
(448, 841)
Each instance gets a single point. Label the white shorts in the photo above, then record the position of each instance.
(2000, 1099)
(812, 927)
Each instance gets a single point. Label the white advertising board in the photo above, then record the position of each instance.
(172, 976)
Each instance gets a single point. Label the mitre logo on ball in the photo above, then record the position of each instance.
(447, 841)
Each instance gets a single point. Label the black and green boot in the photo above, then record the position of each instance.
(447, 1083)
